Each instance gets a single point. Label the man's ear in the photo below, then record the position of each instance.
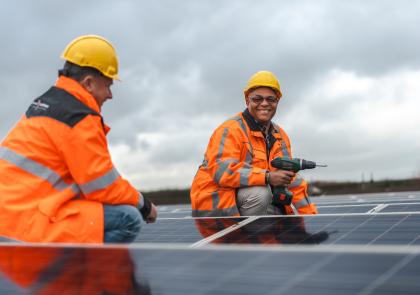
(247, 101)
(87, 82)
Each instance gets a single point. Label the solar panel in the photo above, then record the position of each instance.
(398, 229)
(345, 209)
(362, 229)
(186, 230)
(344, 250)
(368, 198)
(214, 270)
(406, 207)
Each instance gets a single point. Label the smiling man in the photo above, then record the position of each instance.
(236, 176)
(57, 179)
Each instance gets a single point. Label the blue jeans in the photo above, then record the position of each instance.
(122, 223)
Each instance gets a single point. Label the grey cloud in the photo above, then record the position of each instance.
(182, 60)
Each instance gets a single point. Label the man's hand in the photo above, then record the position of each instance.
(148, 211)
(152, 216)
(281, 177)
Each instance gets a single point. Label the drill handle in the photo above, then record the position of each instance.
(281, 196)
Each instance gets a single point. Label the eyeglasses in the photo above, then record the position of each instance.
(259, 99)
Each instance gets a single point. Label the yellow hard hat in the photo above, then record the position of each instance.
(93, 51)
(263, 79)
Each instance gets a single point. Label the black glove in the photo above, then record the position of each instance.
(147, 207)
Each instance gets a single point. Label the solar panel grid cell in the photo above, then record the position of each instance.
(184, 230)
(344, 209)
(408, 207)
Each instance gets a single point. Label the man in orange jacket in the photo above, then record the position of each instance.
(235, 176)
(57, 179)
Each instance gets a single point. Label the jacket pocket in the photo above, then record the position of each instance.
(260, 159)
(58, 206)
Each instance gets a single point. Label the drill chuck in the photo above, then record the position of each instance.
(304, 164)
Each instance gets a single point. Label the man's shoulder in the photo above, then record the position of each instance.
(234, 121)
(60, 105)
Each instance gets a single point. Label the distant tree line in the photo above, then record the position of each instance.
(182, 196)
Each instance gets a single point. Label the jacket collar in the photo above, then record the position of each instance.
(253, 124)
(74, 88)
(77, 90)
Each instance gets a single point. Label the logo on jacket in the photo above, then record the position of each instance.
(39, 105)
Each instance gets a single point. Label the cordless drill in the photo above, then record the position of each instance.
(281, 195)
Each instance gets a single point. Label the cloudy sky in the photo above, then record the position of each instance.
(349, 71)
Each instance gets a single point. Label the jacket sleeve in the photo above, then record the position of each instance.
(301, 200)
(299, 187)
(225, 160)
(88, 159)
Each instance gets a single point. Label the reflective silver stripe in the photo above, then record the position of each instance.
(216, 212)
(34, 168)
(244, 176)
(54, 270)
(302, 203)
(223, 164)
(241, 123)
(223, 168)
(243, 172)
(100, 182)
(222, 143)
(243, 127)
(215, 200)
(75, 188)
(248, 157)
(284, 150)
(298, 181)
(205, 163)
(230, 172)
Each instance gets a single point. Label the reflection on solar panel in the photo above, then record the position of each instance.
(3, 239)
(220, 270)
(380, 229)
(239, 271)
(360, 249)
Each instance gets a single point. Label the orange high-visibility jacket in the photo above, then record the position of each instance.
(56, 171)
(237, 157)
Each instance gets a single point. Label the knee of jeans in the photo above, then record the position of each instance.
(256, 194)
(264, 196)
(133, 218)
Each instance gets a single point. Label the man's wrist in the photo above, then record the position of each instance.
(267, 177)
(141, 201)
(146, 208)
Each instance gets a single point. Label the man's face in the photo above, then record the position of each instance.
(100, 88)
(262, 104)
